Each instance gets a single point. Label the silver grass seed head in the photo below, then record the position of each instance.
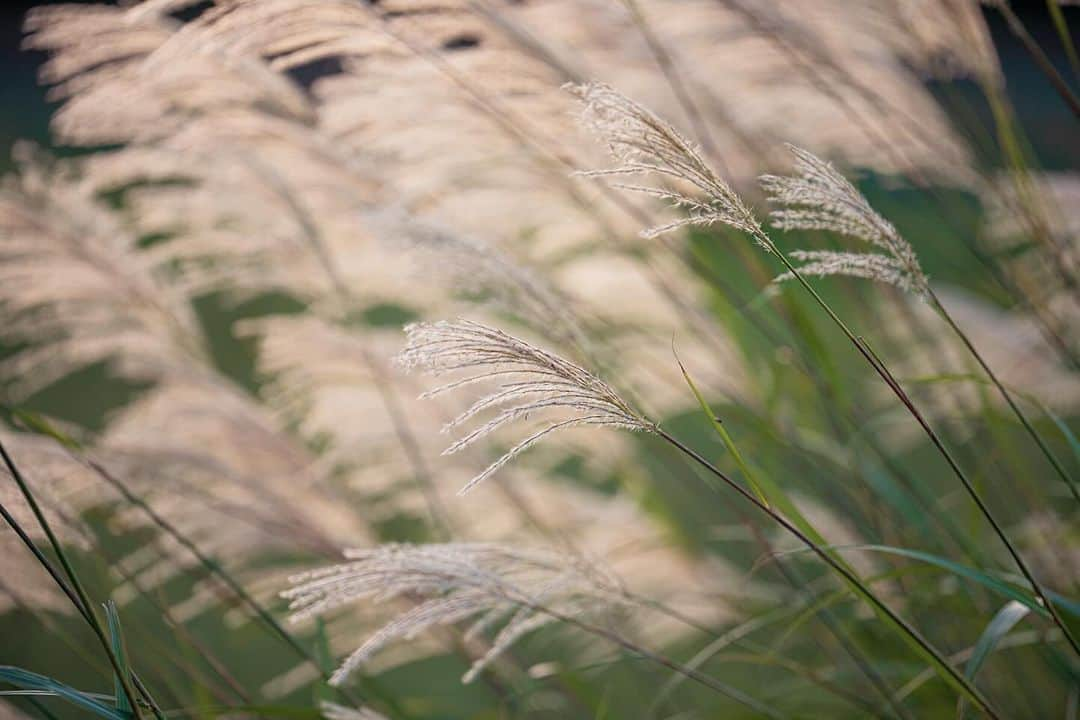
(527, 380)
(644, 144)
(818, 197)
(491, 586)
(871, 266)
(474, 265)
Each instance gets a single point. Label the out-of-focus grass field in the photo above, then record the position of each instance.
(671, 489)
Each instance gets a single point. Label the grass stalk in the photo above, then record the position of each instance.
(1005, 394)
(1062, 28)
(1039, 56)
(944, 668)
(660, 659)
(234, 586)
(763, 489)
(882, 370)
(76, 593)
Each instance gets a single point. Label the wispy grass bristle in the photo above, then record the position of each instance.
(643, 144)
(494, 585)
(818, 197)
(528, 381)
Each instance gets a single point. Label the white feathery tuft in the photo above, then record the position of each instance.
(529, 380)
(817, 197)
(872, 266)
(644, 144)
(495, 584)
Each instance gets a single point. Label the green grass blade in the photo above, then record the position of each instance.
(32, 681)
(78, 595)
(722, 432)
(767, 491)
(1062, 27)
(116, 637)
(36, 423)
(1004, 621)
(1001, 587)
(324, 656)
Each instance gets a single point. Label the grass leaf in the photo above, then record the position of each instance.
(1004, 621)
(722, 432)
(32, 681)
(116, 637)
(997, 585)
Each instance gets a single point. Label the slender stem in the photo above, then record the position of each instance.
(42, 560)
(1005, 394)
(82, 602)
(1039, 56)
(790, 576)
(145, 694)
(215, 569)
(685, 671)
(203, 651)
(880, 368)
(856, 656)
(853, 581)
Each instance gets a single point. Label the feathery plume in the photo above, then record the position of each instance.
(75, 289)
(818, 197)
(477, 266)
(529, 380)
(643, 144)
(514, 589)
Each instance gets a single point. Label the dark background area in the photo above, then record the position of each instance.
(1047, 122)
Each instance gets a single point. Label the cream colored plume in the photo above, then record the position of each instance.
(818, 197)
(513, 590)
(75, 289)
(529, 381)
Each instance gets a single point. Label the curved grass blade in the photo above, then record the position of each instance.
(1001, 587)
(32, 681)
(1004, 621)
(116, 637)
(767, 491)
(1063, 428)
(1064, 34)
(1024, 638)
(721, 431)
